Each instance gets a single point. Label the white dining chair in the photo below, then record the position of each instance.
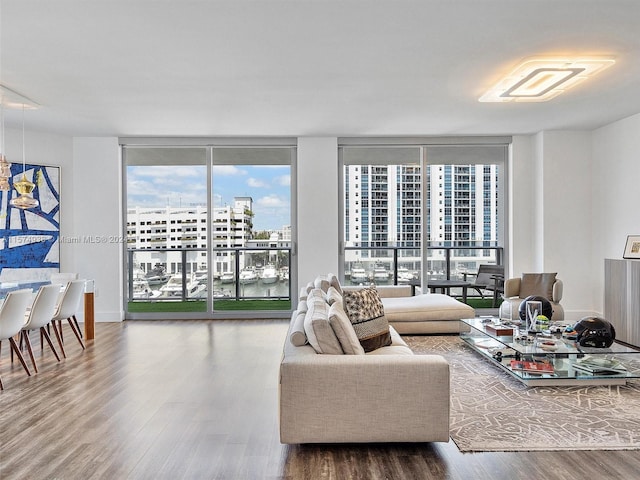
(39, 317)
(12, 315)
(67, 309)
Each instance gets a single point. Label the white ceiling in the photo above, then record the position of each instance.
(308, 67)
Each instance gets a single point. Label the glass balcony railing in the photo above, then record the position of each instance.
(240, 279)
(403, 265)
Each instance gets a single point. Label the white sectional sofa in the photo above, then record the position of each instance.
(423, 313)
(385, 395)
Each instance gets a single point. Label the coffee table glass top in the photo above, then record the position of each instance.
(550, 359)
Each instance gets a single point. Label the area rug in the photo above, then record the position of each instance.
(492, 411)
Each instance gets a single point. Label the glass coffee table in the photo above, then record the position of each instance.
(542, 360)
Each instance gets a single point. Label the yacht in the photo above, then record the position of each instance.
(380, 274)
(359, 275)
(158, 275)
(404, 275)
(227, 277)
(142, 290)
(269, 274)
(284, 274)
(202, 273)
(248, 275)
(173, 288)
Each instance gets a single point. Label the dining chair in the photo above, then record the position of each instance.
(12, 313)
(39, 317)
(67, 309)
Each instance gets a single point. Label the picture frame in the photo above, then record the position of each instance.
(632, 248)
(30, 239)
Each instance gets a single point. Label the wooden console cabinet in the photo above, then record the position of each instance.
(622, 298)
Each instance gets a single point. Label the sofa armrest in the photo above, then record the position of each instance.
(364, 398)
(556, 295)
(512, 287)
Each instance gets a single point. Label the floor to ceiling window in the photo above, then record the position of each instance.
(209, 230)
(417, 212)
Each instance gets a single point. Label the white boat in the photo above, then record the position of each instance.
(359, 275)
(173, 288)
(380, 274)
(157, 275)
(142, 290)
(248, 275)
(404, 275)
(269, 274)
(284, 274)
(228, 277)
(202, 274)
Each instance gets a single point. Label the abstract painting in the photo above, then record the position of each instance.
(29, 239)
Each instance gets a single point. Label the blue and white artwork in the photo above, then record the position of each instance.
(29, 239)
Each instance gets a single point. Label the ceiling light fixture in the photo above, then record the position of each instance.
(23, 186)
(538, 79)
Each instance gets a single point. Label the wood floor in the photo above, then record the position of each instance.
(198, 400)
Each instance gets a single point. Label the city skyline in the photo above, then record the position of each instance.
(186, 185)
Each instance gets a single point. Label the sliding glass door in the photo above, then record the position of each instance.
(414, 213)
(209, 230)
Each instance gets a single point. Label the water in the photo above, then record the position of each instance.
(279, 289)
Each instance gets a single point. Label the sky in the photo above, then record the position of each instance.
(186, 185)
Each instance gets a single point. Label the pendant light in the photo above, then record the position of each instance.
(24, 187)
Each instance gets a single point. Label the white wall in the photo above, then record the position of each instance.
(616, 195)
(552, 213)
(317, 178)
(97, 222)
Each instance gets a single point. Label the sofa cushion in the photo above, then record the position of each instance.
(537, 284)
(425, 307)
(366, 313)
(335, 283)
(317, 327)
(344, 330)
(333, 296)
(297, 336)
(321, 282)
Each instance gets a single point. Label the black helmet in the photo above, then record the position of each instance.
(547, 309)
(594, 332)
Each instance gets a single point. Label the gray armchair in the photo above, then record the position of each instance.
(544, 284)
(488, 278)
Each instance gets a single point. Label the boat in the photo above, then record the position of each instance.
(228, 277)
(269, 274)
(157, 275)
(142, 290)
(358, 275)
(202, 274)
(405, 276)
(380, 274)
(173, 288)
(284, 274)
(248, 275)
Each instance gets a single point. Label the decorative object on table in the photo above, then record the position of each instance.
(632, 248)
(546, 308)
(498, 329)
(594, 332)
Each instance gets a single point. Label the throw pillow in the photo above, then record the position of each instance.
(297, 335)
(537, 284)
(344, 330)
(319, 333)
(366, 313)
